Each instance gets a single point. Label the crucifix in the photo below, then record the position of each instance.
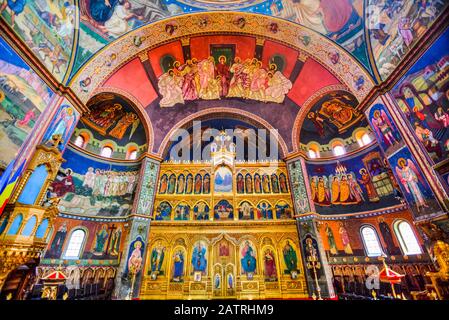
(57, 139)
(111, 228)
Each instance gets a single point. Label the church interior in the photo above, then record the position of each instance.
(211, 149)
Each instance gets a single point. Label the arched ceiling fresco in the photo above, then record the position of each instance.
(377, 34)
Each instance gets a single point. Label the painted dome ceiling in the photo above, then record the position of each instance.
(65, 34)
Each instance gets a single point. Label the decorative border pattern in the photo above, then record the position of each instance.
(106, 61)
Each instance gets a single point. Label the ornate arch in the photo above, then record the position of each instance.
(308, 42)
(308, 104)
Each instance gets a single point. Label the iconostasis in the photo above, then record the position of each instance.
(223, 227)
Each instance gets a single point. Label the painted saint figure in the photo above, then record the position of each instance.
(331, 240)
(135, 260)
(62, 126)
(345, 238)
(270, 265)
(383, 127)
(101, 237)
(58, 242)
(409, 177)
(369, 186)
(387, 236)
(199, 261)
(157, 258)
(178, 266)
(248, 259)
(290, 258)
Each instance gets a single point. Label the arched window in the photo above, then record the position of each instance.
(314, 151)
(40, 232)
(76, 240)
(407, 238)
(79, 141)
(29, 226)
(371, 242)
(133, 155)
(366, 139)
(106, 152)
(362, 137)
(15, 225)
(339, 150)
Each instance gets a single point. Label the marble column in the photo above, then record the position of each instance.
(129, 272)
(318, 273)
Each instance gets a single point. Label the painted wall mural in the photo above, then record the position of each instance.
(104, 241)
(23, 97)
(341, 21)
(396, 26)
(63, 124)
(359, 183)
(91, 187)
(414, 188)
(47, 27)
(423, 97)
(209, 79)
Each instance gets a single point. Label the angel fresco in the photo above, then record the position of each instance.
(62, 125)
(207, 80)
(409, 177)
(383, 127)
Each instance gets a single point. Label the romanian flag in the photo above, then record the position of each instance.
(8, 183)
